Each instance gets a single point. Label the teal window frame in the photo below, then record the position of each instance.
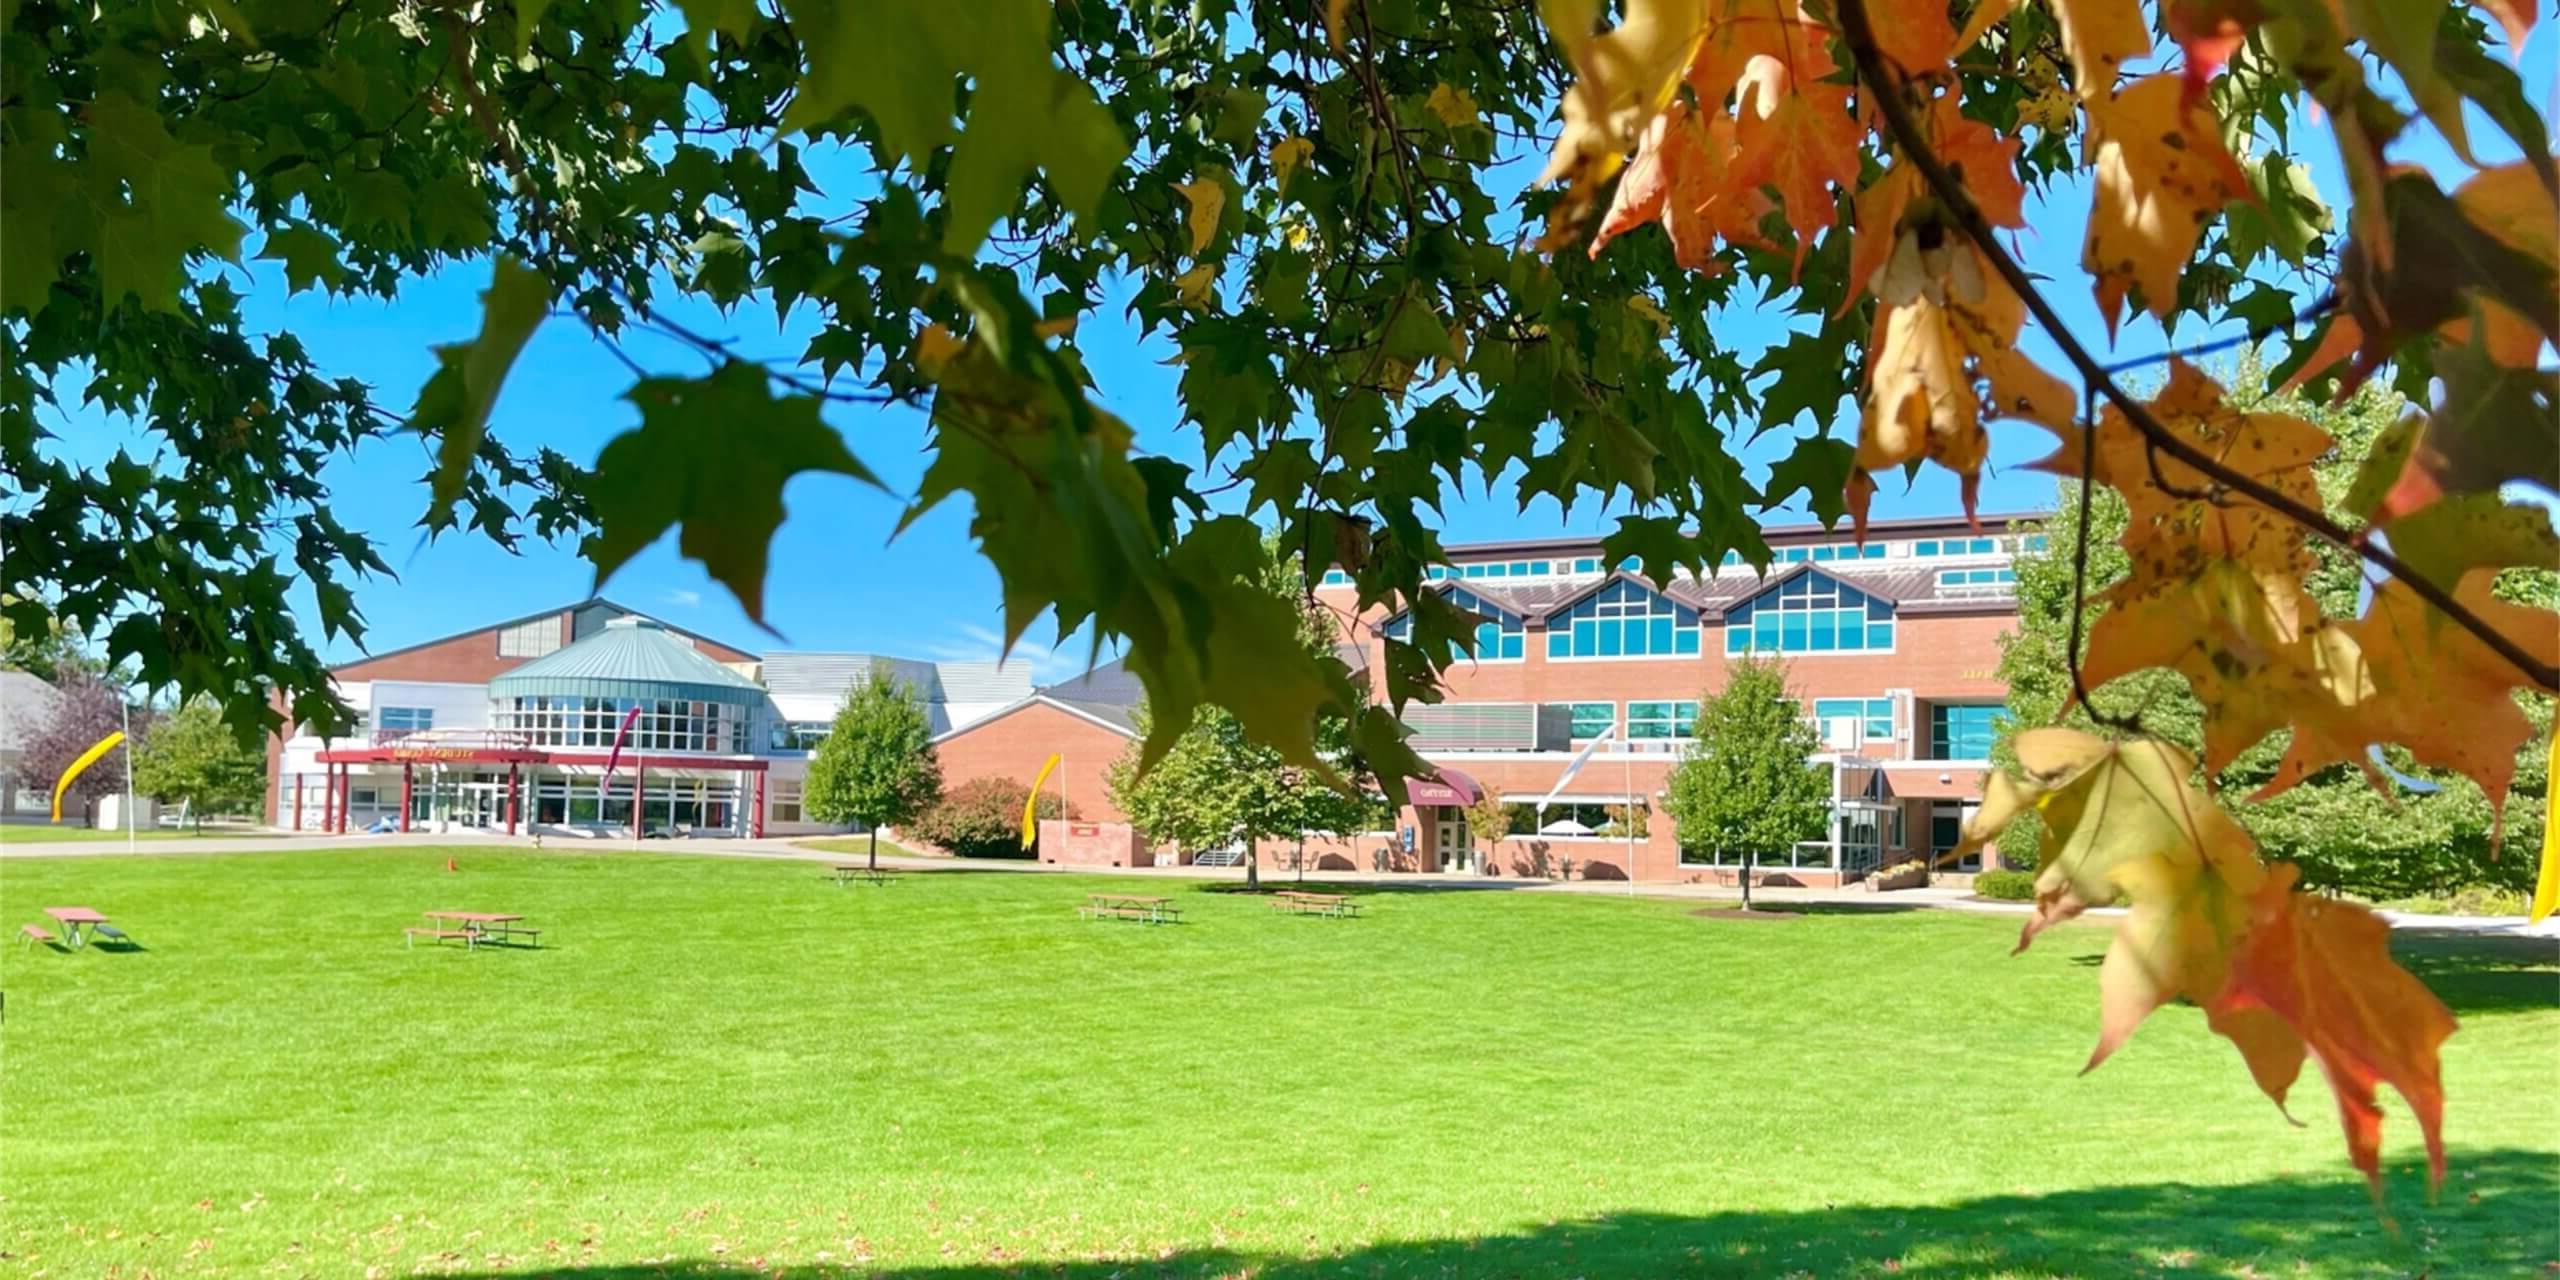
(1876, 714)
(1969, 727)
(1673, 720)
(1780, 620)
(1625, 618)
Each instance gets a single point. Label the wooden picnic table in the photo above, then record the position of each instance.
(1301, 902)
(849, 874)
(475, 928)
(72, 919)
(1130, 906)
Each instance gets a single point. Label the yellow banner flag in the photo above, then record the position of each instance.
(2546, 893)
(81, 765)
(1031, 805)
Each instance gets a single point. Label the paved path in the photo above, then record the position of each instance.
(792, 849)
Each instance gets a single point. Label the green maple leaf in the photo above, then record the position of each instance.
(896, 60)
(309, 255)
(1820, 467)
(713, 455)
(2451, 536)
(457, 399)
(178, 202)
(34, 187)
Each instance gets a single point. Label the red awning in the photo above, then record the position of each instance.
(1449, 787)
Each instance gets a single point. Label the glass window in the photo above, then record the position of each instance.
(1586, 565)
(783, 805)
(2033, 542)
(1503, 635)
(1924, 548)
(1873, 716)
(403, 719)
(1809, 613)
(1624, 619)
(1960, 732)
(1474, 571)
(1588, 720)
(1336, 578)
(530, 639)
(1871, 551)
(1662, 719)
(1946, 831)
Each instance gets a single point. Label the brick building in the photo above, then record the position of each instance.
(1891, 646)
(509, 726)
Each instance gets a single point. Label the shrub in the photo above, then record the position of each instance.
(982, 818)
(2005, 886)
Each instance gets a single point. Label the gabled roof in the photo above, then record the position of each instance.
(1112, 684)
(1117, 718)
(520, 620)
(631, 657)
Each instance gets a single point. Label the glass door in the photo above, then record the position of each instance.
(1457, 853)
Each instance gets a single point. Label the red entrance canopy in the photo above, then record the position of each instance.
(1448, 787)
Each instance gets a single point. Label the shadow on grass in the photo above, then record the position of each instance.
(1834, 908)
(2471, 973)
(2495, 1219)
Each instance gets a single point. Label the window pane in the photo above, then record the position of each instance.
(1511, 642)
(1559, 644)
(1791, 633)
(1608, 639)
(1687, 641)
(1826, 634)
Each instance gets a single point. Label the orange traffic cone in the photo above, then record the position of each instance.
(448, 865)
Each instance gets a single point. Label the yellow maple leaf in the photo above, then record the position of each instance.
(1623, 78)
(2125, 820)
(2437, 689)
(1286, 155)
(1208, 200)
(2160, 171)
(1682, 177)
(1194, 285)
(1456, 107)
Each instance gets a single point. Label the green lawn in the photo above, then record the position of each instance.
(731, 1068)
(48, 833)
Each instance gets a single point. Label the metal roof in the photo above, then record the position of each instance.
(632, 657)
(26, 702)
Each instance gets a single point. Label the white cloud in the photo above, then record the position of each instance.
(683, 599)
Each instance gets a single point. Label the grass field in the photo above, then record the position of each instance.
(728, 1068)
(49, 833)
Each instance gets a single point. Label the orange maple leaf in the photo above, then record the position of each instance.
(2322, 971)
(1682, 177)
(2160, 172)
(1624, 77)
(1798, 138)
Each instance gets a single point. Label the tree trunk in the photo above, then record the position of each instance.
(875, 847)
(1747, 860)
(1302, 857)
(1252, 868)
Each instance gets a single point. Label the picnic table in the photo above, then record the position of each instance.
(1340, 906)
(1129, 906)
(473, 929)
(73, 919)
(847, 875)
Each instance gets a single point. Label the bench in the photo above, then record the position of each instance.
(438, 936)
(104, 930)
(509, 933)
(847, 875)
(32, 934)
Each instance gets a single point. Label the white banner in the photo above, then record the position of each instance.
(1579, 760)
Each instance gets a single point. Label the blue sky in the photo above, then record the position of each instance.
(837, 580)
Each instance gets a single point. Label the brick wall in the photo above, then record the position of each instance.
(1015, 744)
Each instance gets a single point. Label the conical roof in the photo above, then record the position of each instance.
(630, 657)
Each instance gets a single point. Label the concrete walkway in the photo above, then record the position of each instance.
(792, 849)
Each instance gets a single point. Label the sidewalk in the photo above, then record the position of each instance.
(791, 849)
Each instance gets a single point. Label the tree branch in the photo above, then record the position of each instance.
(1859, 35)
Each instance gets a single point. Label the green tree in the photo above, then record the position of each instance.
(2347, 836)
(1745, 783)
(877, 765)
(1217, 786)
(192, 756)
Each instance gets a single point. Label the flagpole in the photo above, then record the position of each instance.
(1630, 759)
(124, 705)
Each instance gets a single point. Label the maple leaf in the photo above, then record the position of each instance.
(2480, 266)
(2160, 172)
(1624, 77)
(1455, 107)
(158, 201)
(2322, 971)
(723, 485)
(2437, 689)
(2125, 820)
(1943, 317)
(1682, 177)
(1286, 155)
(456, 399)
(1739, 31)
(1798, 138)
(1208, 200)
(1875, 227)
(2180, 517)
(2208, 32)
